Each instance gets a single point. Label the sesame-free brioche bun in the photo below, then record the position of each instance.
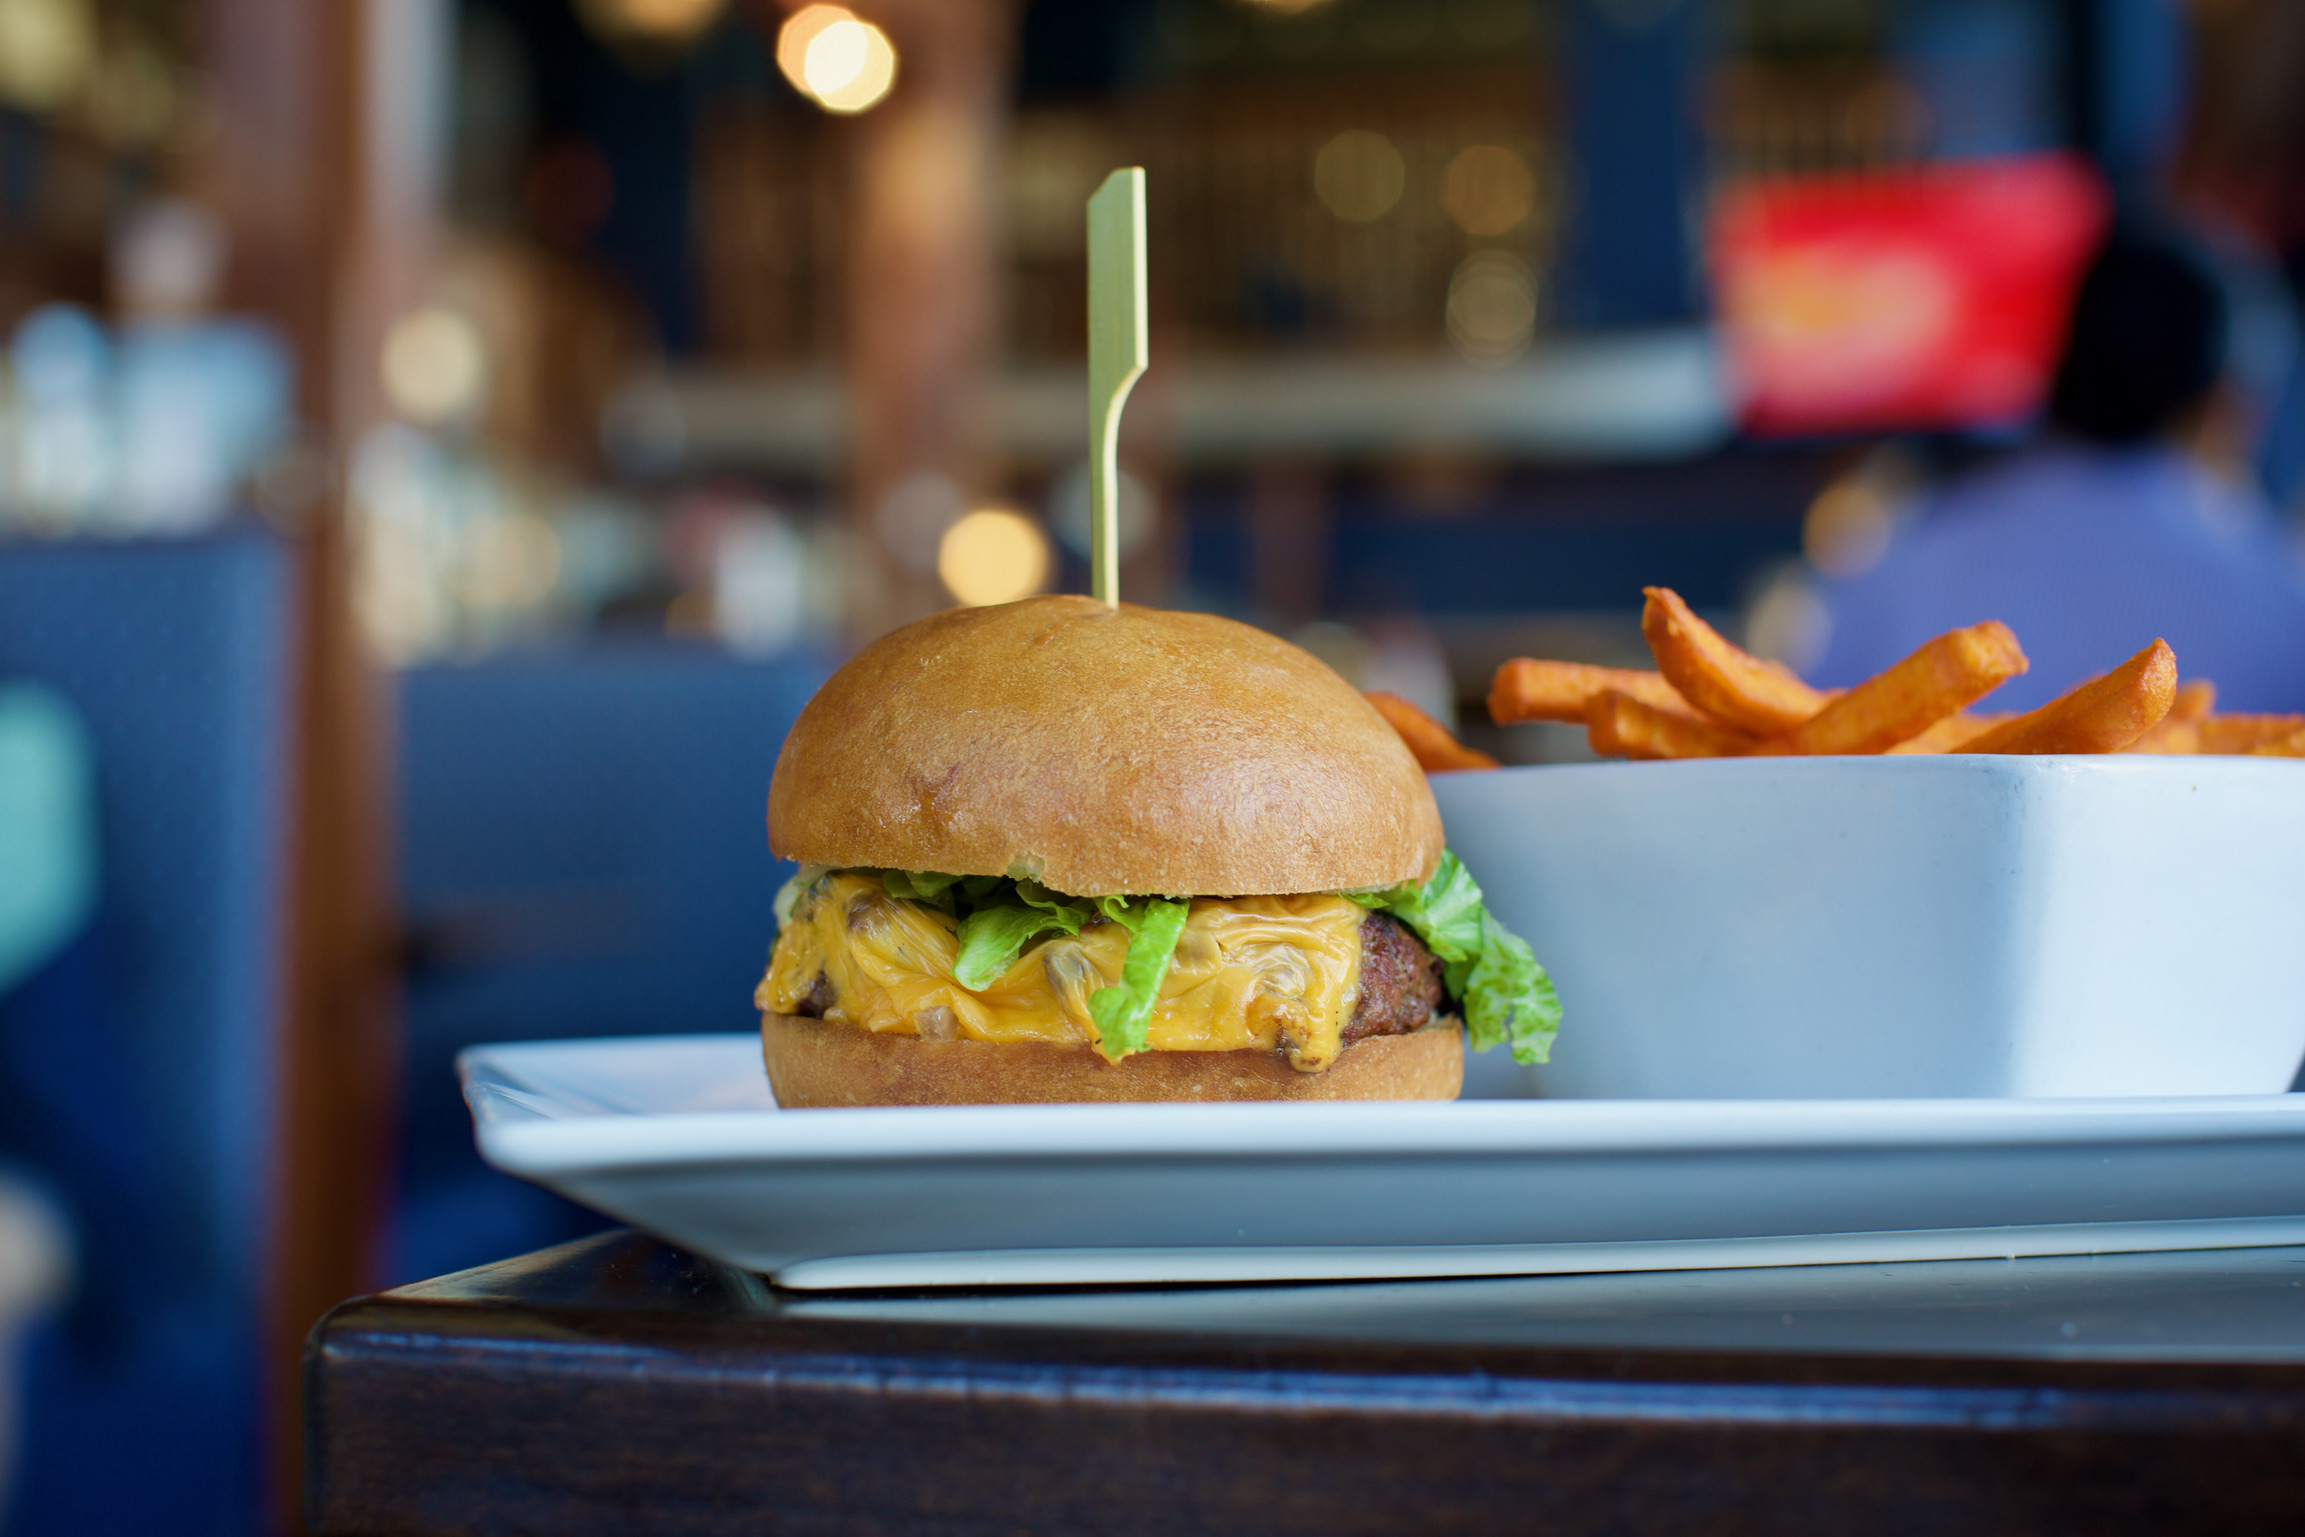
(814, 1063)
(1102, 752)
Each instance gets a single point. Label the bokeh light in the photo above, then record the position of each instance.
(168, 257)
(47, 48)
(1847, 528)
(404, 528)
(761, 574)
(1787, 621)
(1359, 176)
(850, 66)
(668, 18)
(1488, 190)
(915, 516)
(510, 561)
(843, 64)
(993, 555)
(799, 30)
(652, 21)
(1492, 307)
(434, 365)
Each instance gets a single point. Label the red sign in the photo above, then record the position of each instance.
(1934, 297)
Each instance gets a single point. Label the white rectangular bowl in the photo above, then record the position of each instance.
(1904, 927)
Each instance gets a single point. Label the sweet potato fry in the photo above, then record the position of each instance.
(1427, 739)
(2172, 738)
(2196, 700)
(1901, 702)
(2240, 733)
(1624, 727)
(2179, 734)
(2290, 746)
(1527, 689)
(1949, 734)
(1739, 690)
(2103, 715)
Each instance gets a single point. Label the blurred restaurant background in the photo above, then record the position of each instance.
(444, 442)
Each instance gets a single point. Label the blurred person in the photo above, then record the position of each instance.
(2122, 522)
(2240, 168)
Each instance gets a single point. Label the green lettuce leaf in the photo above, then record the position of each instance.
(788, 895)
(1037, 895)
(925, 887)
(1445, 912)
(1122, 1013)
(991, 938)
(1508, 998)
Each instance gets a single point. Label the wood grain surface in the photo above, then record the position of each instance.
(614, 1385)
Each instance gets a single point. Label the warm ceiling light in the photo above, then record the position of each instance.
(669, 18)
(800, 30)
(651, 21)
(839, 62)
(850, 66)
(993, 556)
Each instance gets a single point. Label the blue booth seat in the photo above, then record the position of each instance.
(140, 1065)
(583, 852)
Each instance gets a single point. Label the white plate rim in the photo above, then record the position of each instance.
(523, 1130)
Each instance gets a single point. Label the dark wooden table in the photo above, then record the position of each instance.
(615, 1385)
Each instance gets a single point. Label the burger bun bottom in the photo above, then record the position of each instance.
(814, 1063)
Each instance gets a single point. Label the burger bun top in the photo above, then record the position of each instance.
(1102, 752)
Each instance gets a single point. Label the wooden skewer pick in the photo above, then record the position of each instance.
(1117, 354)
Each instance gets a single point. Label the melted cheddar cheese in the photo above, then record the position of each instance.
(1281, 973)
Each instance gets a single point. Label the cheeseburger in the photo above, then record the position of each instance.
(1057, 851)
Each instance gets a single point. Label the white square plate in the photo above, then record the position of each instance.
(679, 1135)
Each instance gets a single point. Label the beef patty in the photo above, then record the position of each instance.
(1400, 984)
(1400, 981)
